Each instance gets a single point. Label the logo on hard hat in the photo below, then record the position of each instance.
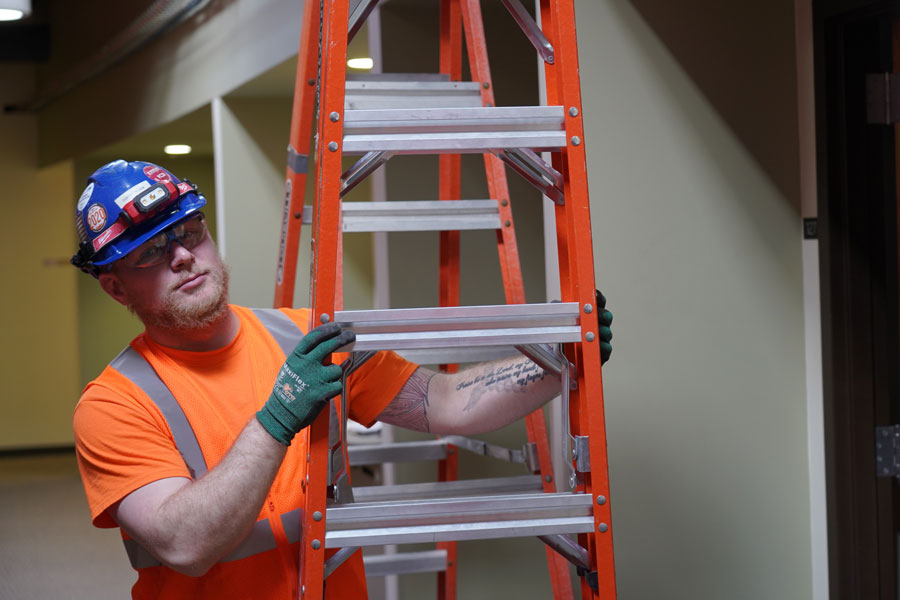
(156, 174)
(85, 196)
(96, 217)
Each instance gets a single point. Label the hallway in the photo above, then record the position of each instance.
(48, 548)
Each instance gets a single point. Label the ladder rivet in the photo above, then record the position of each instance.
(548, 478)
(504, 202)
(303, 589)
(334, 117)
(310, 81)
(589, 336)
(333, 146)
(325, 317)
(601, 500)
(576, 141)
(573, 112)
(588, 308)
(317, 516)
(298, 215)
(489, 104)
(316, 544)
(485, 84)
(603, 527)
(507, 223)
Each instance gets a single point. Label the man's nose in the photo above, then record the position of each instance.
(179, 255)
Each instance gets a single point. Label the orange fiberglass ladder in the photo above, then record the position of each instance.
(381, 116)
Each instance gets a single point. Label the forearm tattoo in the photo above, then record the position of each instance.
(513, 378)
(410, 407)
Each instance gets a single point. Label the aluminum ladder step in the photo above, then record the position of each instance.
(462, 326)
(404, 563)
(420, 215)
(448, 489)
(457, 519)
(392, 90)
(462, 355)
(453, 130)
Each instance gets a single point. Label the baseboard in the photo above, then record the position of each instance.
(36, 451)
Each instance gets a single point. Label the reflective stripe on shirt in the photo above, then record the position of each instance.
(135, 367)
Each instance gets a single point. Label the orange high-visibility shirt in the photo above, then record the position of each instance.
(123, 442)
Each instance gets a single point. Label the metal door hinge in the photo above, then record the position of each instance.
(882, 98)
(887, 451)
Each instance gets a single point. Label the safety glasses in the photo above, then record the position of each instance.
(189, 233)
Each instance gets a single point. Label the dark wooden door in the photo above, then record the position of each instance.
(858, 240)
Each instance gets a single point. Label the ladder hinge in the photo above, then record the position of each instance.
(532, 463)
(882, 98)
(582, 454)
(887, 451)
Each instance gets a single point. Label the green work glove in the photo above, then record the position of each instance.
(604, 320)
(304, 385)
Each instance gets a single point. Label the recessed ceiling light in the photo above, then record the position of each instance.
(360, 63)
(177, 149)
(13, 10)
(9, 14)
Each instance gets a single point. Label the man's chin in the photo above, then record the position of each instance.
(191, 309)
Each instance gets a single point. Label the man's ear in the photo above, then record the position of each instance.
(112, 286)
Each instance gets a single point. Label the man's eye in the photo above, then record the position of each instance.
(190, 238)
(149, 254)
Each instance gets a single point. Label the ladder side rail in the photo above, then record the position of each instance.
(298, 157)
(513, 284)
(558, 162)
(589, 395)
(449, 189)
(323, 285)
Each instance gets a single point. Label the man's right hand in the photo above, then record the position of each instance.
(304, 384)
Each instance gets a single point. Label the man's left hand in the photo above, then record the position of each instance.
(604, 319)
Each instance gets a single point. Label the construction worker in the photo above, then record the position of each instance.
(193, 441)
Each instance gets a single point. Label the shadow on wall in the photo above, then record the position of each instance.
(735, 53)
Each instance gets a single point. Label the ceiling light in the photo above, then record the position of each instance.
(13, 10)
(360, 63)
(177, 149)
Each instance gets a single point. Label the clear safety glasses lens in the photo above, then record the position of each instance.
(154, 251)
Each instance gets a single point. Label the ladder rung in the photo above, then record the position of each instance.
(410, 93)
(449, 356)
(403, 563)
(462, 326)
(441, 520)
(423, 215)
(371, 454)
(448, 489)
(420, 215)
(456, 130)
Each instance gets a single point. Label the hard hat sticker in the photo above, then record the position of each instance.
(85, 197)
(96, 217)
(156, 173)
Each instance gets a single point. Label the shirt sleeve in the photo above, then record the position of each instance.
(121, 444)
(375, 384)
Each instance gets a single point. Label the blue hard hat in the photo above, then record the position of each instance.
(124, 205)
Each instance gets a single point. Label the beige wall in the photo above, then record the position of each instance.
(38, 351)
(698, 247)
